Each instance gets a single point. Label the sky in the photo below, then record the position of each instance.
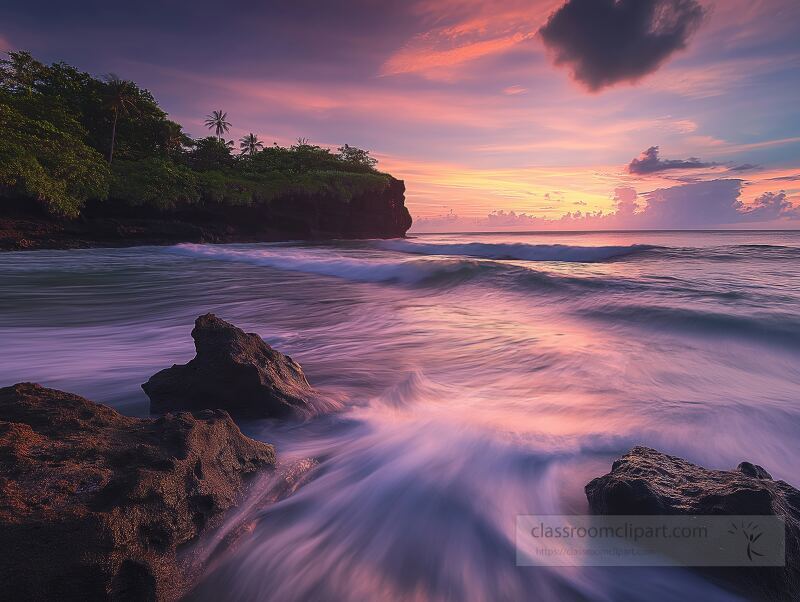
(507, 114)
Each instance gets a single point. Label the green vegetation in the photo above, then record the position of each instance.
(67, 137)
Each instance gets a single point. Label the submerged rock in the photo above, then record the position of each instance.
(645, 481)
(94, 504)
(235, 371)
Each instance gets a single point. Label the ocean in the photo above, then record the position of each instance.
(481, 376)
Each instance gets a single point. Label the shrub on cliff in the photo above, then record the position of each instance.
(307, 158)
(241, 188)
(336, 184)
(209, 153)
(155, 182)
(356, 159)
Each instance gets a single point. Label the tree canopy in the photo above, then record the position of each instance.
(67, 137)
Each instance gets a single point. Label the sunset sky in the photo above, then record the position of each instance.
(537, 106)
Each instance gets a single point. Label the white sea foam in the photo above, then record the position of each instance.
(329, 263)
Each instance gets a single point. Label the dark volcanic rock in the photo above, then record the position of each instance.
(236, 371)
(93, 504)
(645, 481)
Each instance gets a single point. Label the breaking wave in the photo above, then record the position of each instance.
(328, 263)
(437, 270)
(517, 251)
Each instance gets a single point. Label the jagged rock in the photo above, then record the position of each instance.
(646, 481)
(235, 371)
(94, 504)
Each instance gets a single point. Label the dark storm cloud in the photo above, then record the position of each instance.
(611, 41)
(649, 162)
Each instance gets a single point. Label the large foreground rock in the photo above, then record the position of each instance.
(93, 504)
(645, 481)
(235, 371)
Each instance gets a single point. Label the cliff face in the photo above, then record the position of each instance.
(383, 215)
(378, 214)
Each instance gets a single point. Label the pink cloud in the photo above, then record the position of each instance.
(427, 60)
(514, 90)
(464, 31)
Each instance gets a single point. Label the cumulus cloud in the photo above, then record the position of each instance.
(694, 205)
(770, 206)
(649, 162)
(709, 204)
(626, 201)
(605, 42)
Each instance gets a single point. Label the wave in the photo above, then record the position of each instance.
(421, 509)
(774, 329)
(518, 251)
(429, 272)
(732, 253)
(328, 263)
(433, 272)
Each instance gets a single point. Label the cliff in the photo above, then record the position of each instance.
(297, 215)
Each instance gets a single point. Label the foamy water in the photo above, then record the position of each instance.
(483, 376)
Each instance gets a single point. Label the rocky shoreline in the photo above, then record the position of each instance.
(291, 217)
(95, 505)
(647, 482)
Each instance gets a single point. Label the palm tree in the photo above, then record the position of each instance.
(121, 98)
(218, 121)
(250, 144)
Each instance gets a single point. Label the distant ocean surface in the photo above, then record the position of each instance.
(483, 375)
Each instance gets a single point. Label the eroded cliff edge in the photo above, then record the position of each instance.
(379, 213)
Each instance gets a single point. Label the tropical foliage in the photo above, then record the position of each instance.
(47, 164)
(67, 137)
(154, 181)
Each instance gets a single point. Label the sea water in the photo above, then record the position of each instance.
(482, 376)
